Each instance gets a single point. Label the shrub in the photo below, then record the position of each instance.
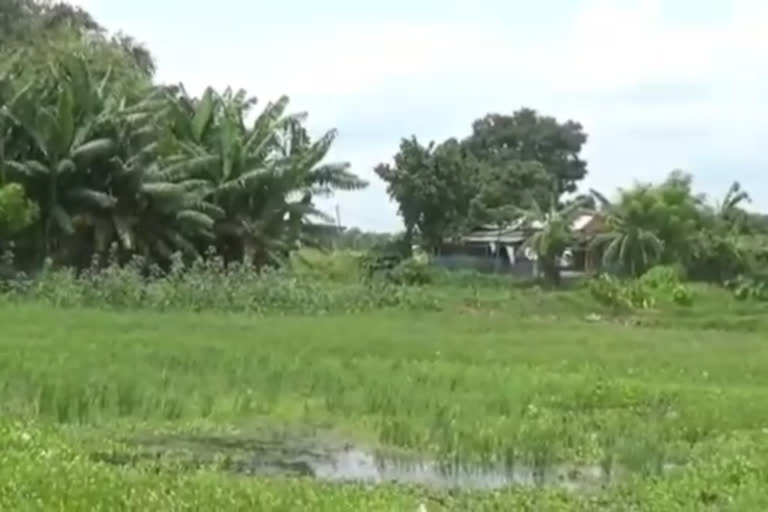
(719, 257)
(384, 258)
(682, 295)
(749, 287)
(663, 277)
(208, 285)
(638, 295)
(410, 273)
(341, 266)
(615, 294)
(16, 211)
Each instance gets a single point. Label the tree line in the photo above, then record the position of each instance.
(95, 154)
(527, 167)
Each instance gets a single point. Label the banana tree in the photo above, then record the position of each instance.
(66, 156)
(161, 208)
(264, 176)
(85, 145)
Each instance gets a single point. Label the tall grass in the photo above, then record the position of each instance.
(207, 285)
(466, 388)
(466, 372)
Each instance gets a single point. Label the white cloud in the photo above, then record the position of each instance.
(435, 78)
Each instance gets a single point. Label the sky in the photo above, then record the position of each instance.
(657, 84)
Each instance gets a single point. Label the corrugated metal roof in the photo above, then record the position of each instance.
(514, 232)
(501, 236)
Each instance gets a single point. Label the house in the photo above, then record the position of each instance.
(502, 249)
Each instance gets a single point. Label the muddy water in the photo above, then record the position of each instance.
(355, 464)
(344, 462)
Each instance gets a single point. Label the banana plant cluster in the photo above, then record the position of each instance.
(156, 171)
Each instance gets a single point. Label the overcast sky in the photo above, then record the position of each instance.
(657, 84)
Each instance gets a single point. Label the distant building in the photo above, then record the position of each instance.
(501, 249)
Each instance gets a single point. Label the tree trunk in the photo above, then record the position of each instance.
(551, 272)
(408, 241)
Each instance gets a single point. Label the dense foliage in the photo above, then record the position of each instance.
(111, 158)
(510, 166)
(667, 223)
(444, 189)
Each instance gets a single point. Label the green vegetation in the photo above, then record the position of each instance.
(109, 157)
(167, 276)
(473, 385)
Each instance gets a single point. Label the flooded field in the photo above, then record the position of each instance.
(329, 460)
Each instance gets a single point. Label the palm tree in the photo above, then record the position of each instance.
(552, 235)
(628, 241)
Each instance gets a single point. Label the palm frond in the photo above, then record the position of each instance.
(242, 181)
(62, 219)
(203, 115)
(91, 197)
(93, 150)
(211, 210)
(66, 166)
(20, 169)
(162, 190)
(189, 168)
(335, 176)
(180, 242)
(124, 229)
(196, 218)
(36, 167)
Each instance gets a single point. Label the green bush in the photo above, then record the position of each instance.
(340, 266)
(753, 287)
(615, 294)
(663, 277)
(410, 272)
(682, 295)
(208, 285)
(384, 258)
(16, 211)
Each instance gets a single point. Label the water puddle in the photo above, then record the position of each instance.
(344, 462)
(358, 465)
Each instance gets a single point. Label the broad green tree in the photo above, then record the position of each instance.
(504, 189)
(527, 136)
(433, 186)
(448, 188)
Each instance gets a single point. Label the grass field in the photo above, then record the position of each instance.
(676, 417)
